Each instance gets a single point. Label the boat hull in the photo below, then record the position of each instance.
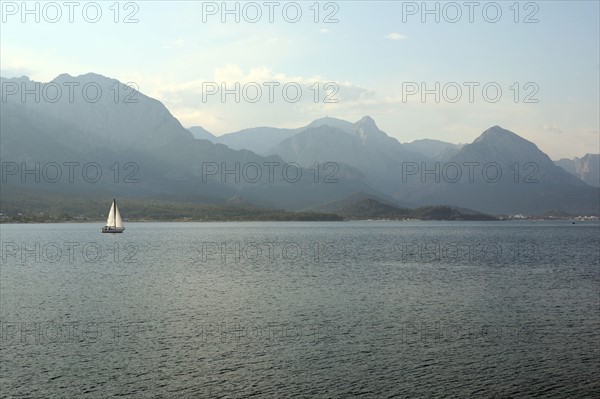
(107, 229)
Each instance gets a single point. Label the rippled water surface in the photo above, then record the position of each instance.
(371, 309)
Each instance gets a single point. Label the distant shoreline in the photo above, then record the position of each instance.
(101, 222)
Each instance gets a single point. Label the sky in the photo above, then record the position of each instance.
(439, 70)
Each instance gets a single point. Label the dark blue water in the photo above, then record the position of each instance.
(371, 309)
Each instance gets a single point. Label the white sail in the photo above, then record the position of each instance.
(111, 216)
(114, 223)
(118, 221)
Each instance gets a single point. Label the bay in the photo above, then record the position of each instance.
(301, 309)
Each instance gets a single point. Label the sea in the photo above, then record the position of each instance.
(372, 309)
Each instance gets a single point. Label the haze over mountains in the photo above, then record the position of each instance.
(586, 168)
(498, 173)
(169, 162)
(425, 172)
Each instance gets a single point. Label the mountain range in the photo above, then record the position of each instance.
(326, 161)
(424, 172)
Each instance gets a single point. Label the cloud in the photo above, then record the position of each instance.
(396, 36)
(552, 128)
(260, 94)
(15, 67)
(15, 72)
(231, 76)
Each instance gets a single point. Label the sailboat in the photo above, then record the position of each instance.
(114, 224)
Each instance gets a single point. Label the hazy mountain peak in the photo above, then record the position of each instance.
(63, 76)
(88, 77)
(500, 144)
(326, 120)
(497, 137)
(333, 122)
(15, 79)
(367, 130)
(367, 122)
(115, 123)
(498, 132)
